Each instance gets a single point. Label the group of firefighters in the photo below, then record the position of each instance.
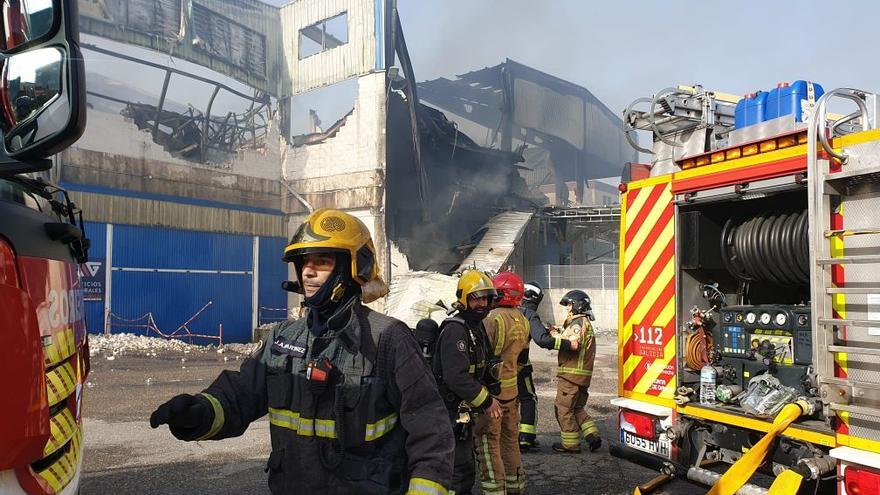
(353, 405)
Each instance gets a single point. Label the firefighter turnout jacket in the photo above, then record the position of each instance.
(508, 333)
(379, 426)
(460, 361)
(577, 366)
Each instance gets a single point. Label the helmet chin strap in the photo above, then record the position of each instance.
(475, 315)
(338, 290)
(335, 290)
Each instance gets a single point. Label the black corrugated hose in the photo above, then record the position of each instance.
(768, 247)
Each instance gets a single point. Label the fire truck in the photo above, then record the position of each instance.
(749, 346)
(44, 355)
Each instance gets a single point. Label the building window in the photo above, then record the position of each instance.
(323, 36)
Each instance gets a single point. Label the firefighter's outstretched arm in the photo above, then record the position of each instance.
(225, 408)
(452, 349)
(542, 336)
(430, 442)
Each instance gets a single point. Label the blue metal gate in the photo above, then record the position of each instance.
(163, 278)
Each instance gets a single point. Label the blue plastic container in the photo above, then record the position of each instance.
(750, 110)
(789, 99)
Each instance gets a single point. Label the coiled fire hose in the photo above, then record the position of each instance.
(697, 347)
(739, 473)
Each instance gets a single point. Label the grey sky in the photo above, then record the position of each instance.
(621, 50)
(618, 50)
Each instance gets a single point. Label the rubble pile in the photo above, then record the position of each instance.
(127, 344)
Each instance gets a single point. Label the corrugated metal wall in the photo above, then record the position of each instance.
(96, 232)
(272, 272)
(173, 274)
(354, 58)
(219, 34)
(158, 248)
(137, 211)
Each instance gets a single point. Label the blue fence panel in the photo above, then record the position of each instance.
(151, 247)
(174, 298)
(97, 233)
(272, 272)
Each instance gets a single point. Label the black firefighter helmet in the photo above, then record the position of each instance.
(578, 302)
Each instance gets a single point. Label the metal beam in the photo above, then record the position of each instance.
(161, 103)
(208, 123)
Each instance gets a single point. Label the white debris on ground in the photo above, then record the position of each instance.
(127, 344)
(239, 348)
(415, 295)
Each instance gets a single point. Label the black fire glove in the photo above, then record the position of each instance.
(187, 416)
(321, 374)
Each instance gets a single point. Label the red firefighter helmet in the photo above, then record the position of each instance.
(510, 289)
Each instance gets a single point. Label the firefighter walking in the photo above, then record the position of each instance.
(461, 361)
(574, 374)
(352, 407)
(497, 439)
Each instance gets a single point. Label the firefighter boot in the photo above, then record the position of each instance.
(591, 434)
(559, 447)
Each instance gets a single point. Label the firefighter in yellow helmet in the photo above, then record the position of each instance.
(352, 407)
(461, 363)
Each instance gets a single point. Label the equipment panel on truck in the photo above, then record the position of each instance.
(750, 278)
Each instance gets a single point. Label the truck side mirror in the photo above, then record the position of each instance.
(42, 80)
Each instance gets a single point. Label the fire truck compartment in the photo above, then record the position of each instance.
(754, 250)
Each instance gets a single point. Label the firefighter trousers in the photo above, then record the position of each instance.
(571, 414)
(464, 472)
(528, 401)
(501, 469)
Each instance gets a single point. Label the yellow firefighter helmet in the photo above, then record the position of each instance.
(473, 283)
(328, 230)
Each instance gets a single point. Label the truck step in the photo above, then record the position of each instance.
(852, 172)
(864, 411)
(851, 232)
(852, 290)
(849, 259)
(846, 382)
(861, 351)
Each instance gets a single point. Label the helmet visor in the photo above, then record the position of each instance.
(482, 293)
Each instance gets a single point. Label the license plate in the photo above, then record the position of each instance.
(658, 447)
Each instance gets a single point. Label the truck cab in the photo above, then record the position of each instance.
(44, 358)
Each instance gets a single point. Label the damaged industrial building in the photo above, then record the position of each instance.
(248, 116)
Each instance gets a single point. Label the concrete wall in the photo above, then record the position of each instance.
(346, 171)
(357, 147)
(604, 307)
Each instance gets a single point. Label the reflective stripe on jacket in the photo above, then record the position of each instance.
(577, 366)
(380, 428)
(508, 331)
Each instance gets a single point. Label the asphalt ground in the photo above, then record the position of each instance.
(125, 456)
